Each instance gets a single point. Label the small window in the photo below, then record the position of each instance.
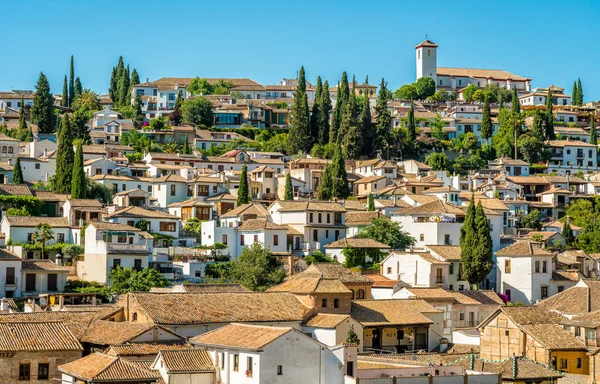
(224, 239)
(24, 371)
(242, 240)
(249, 366)
(506, 332)
(507, 266)
(172, 189)
(275, 240)
(43, 371)
(361, 294)
(280, 369)
(462, 316)
(421, 237)
(37, 165)
(389, 270)
(336, 303)
(563, 363)
(324, 303)
(236, 363)
(579, 362)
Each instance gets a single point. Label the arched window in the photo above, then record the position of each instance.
(352, 297)
(361, 293)
(324, 303)
(336, 303)
(10, 149)
(134, 317)
(4, 149)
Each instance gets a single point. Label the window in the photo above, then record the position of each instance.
(336, 303)
(447, 239)
(310, 217)
(150, 188)
(275, 240)
(167, 227)
(544, 292)
(560, 288)
(236, 363)
(37, 165)
(10, 275)
(60, 237)
(328, 218)
(451, 269)
(577, 331)
(315, 235)
(222, 359)
(280, 369)
(563, 363)
(506, 332)
(361, 294)
(172, 189)
(507, 293)
(350, 368)
(30, 282)
(462, 316)
(544, 266)
(537, 266)
(52, 282)
(506, 266)
(242, 240)
(24, 371)
(579, 362)
(121, 239)
(324, 303)
(421, 237)
(255, 238)
(116, 263)
(389, 269)
(224, 239)
(137, 264)
(43, 371)
(320, 217)
(249, 366)
(327, 233)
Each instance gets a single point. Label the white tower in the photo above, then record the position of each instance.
(427, 60)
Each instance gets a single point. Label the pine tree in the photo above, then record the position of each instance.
(486, 120)
(289, 189)
(42, 111)
(366, 127)
(350, 128)
(549, 118)
(314, 117)
(593, 133)
(340, 190)
(567, 232)
(72, 82)
(579, 93)
(64, 158)
(384, 119)
(22, 121)
(412, 126)
(371, 203)
(65, 93)
(538, 129)
(78, 188)
(17, 173)
(78, 88)
(324, 112)
(516, 107)
(135, 78)
(574, 97)
(325, 191)
(299, 131)
(243, 195)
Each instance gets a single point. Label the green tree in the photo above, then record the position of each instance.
(243, 194)
(123, 87)
(425, 87)
(530, 147)
(366, 126)
(299, 130)
(351, 337)
(78, 183)
(97, 191)
(324, 114)
(325, 191)
(387, 232)
(175, 117)
(468, 92)
(582, 212)
(314, 116)
(43, 233)
(503, 141)
(406, 92)
(371, 203)
(187, 150)
(289, 189)
(64, 158)
(65, 93)
(549, 117)
(441, 96)
(78, 87)
(514, 104)
(256, 268)
(71, 81)
(86, 99)
(483, 261)
(486, 121)
(158, 124)
(340, 190)
(579, 93)
(127, 279)
(42, 111)
(384, 118)
(567, 232)
(412, 126)
(437, 128)
(574, 97)
(139, 116)
(438, 161)
(112, 87)
(17, 174)
(532, 220)
(200, 86)
(342, 96)
(198, 111)
(22, 121)
(350, 128)
(222, 87)
(538, 125)
(593, 132)
(135, 78)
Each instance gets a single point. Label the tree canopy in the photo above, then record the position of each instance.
(256, 268)
(388, 232)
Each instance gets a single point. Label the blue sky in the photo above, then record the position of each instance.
(553, 42)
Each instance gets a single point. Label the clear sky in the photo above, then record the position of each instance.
(553, 42)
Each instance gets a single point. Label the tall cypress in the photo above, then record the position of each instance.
(78, 189)
(516, 108)
(42, 111)
(549, 117)
(123, 88)
(135, 78)
(187, 150)
(336, 117)
(350, 128)
(468, 243)
(371, 203)
(112, 87)
(579, 93)
(65, 93)
(64, 157)
(486, 120)
(366, 126)
(483, 261)
(567, 232)
(243, 194)
(78, 88)
(325, 191)
(22, 121)
(289, 189)
(299, 131)
(17, 173)
(412, 126)
(538, 129)
(341, 190)
(324, 112)
(314, 117)
(72, 81)
(383, 116)
(593, 133)
(574, 97)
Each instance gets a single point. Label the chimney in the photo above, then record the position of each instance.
(29, 306)
(443, 345)
(58, 259)
(4, 305)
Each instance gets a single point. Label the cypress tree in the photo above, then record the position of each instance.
(42, 111)
(176, 116)
(574, 97)
(72, 81)
(350, 128)
(537, 129)
(299, 131)
(579, 93)
(567, 232)
(371, 203)
(486, 120)
(336, 117)
(112, 87)
(139, 115)
(593, 133)
(384, 119)
(22, 122)
(315, 115)
(123, 88)
(17, 173)
(549, 118)
(516, 108)
(324, 112)
(412, 126)
(64, 158)
(289, 189)
(325, 191)
(135, 78)
(339, 176)
(187, 150)
(468, 243)
(78, 88)
(65, 93)
(366, 126)
(483, 258)
(243, 195)
(78, 189)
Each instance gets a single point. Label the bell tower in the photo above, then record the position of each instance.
(427, 60)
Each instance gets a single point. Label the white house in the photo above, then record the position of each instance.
(21, 229)
(416, 269)
(10, 274)
(156, 221)
(42, 277)
(569, 157)
(197, 368)
(539, 95)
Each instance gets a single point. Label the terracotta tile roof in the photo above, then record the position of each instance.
(15, 189)
(362, 218)
(523, 248)
(580, 299)
(381, 281)
(564, 179)
(411, 359)
(295, 206)
(431, 293)
(573, 276)
(7, 255)
(355, 242)
(145, 349)
(101, 367)
(76, 203)
(553, 337)
(516, 368)
(32, 221)
(309, 283)
(187, 360)
(191, 308)
(338, 271)
(42, 265)
(525, 315)
(369, 179)
(477, 298)
(568, 143)
(434, 207)
(140, 212)
(423, 255)
(496, 74)
(37, 336)
(446, 252)
(247, 209)
(215, 288)
(326, 320)
(439, 190)
(527, 180)
(371, 313)
(104, 332)
(354, 205)
(260, 225)
(104, 226)
(559, 224)
(244, 336)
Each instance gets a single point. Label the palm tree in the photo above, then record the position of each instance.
(43, 233)
(171, 148)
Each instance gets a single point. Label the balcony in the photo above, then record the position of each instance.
(310, 246)
(124, 248)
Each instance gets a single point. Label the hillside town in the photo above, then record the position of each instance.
(223, 231)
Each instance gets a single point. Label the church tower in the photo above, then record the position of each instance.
(427, 60)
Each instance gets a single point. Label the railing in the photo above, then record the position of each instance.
(439, 280)
(310, 246)
(127, 247)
